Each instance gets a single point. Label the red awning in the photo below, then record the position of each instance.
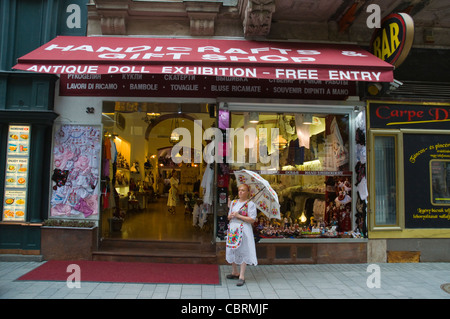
(208, 57)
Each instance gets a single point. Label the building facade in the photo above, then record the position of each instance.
(27, 112)
(111, 130)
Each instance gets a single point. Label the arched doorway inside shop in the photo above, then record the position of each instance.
(139, 179)
(154, 122)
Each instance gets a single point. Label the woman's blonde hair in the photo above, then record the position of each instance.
(246, 185)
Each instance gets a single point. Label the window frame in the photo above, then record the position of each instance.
(431, 182)
(399, 177)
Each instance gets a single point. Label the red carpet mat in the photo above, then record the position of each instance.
(126, 272)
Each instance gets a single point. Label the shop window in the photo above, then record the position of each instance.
(426, 179)
(440, 182)
(384, 170)
(305, 158)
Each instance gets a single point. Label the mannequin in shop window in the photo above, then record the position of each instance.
(173, 193)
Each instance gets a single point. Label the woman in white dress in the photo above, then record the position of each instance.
(173, 193)
(240, 241)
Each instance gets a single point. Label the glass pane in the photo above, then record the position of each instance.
(385, 181)
(309, 169)
(440, 182)
(285, 142)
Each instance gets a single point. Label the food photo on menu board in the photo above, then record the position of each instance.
(14, 205)
(16, 172)
(18, 140)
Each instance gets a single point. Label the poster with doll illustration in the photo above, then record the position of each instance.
(75, 172)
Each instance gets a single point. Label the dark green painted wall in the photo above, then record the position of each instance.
(28, 98)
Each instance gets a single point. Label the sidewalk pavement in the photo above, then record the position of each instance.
(330, 281)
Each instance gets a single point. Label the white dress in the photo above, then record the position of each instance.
(246, 251)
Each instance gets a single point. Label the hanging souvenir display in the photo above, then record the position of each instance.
(76, 154)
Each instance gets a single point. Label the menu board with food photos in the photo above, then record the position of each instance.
(16, 177)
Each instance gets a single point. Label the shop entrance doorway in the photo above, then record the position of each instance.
(138, 172)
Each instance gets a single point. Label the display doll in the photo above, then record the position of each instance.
(287, 219)
(343, 198)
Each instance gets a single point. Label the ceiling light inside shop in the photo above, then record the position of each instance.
(174, 136)
(253, 117)
(307, 119)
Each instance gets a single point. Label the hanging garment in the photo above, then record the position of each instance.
(113, 151)
(207, 185)
(360, 120)
(362, 189)
(361, 153)
(360, 137)
(296, 154)
(360, 170)
(224, 119)
(289, 125)
(107, 148)
(104, 198)
(222, 180)
(303, 133)
(339, 149)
